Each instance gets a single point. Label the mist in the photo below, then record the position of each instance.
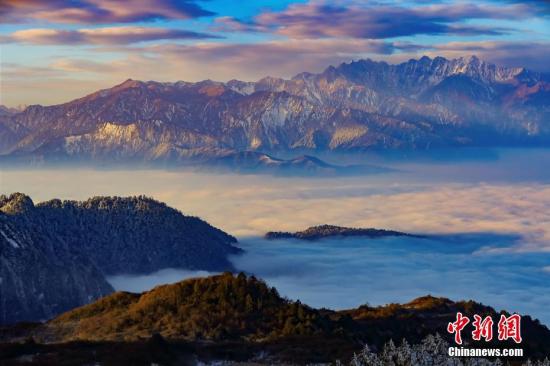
(342, 273)
(143, 282)
(488, 212)
(345, 273)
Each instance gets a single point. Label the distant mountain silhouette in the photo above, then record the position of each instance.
(360, 105)
(327, 231)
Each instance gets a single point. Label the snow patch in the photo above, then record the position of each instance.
(10, 240)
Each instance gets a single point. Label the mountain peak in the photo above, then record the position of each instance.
(362, 104)
(424, 59)
(129, 83)
(15, 203)
(257, 312)
(471, 59)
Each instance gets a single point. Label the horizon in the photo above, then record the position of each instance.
(22, 107)
(88, 45)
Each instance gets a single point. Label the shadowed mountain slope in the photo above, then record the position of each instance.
(55, 254)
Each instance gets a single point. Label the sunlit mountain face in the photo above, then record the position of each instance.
(272, 182)
(419, 104)
(259, 86)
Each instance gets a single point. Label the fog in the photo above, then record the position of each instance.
(501, 197)
(343, 273)
(143, 282)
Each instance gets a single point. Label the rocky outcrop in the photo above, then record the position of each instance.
(55, 255)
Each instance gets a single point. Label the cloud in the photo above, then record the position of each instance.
(252, 61)
(532, 55)
(542, 6)
(214, 60)
(223, 62)
(100, 36)
(317, 19)
(511, 208)
(140, 283)
(99, 11)
(436, 198)
(226, 61)
(82, 66)
(339, 274)
(231, 24)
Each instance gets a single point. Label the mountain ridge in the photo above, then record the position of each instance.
(326, 231)
(196, 310)
(55, 255)
(364, 104)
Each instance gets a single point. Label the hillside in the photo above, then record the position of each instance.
(227, 308)
(429, 315)
(40, 278)
(55, 255)
(214, 308)
(418, 104)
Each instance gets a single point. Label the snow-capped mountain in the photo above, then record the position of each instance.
(359, 105)
(55, 255)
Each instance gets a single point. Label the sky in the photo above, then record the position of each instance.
(53, 51)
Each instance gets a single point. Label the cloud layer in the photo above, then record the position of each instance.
(317, 19)
(98, 11)
(100, 36)
(343, 274)
(340, 274)
(121, 39)
(498, 200)
(508, 195)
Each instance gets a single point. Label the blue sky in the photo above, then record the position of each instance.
(53, 51)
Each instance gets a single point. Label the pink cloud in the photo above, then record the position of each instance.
(317, 19)
(104, 36)
(99, 11)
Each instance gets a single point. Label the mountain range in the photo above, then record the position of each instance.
(56, 255)
(418, 104)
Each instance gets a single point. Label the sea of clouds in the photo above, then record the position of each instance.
(489, 210)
